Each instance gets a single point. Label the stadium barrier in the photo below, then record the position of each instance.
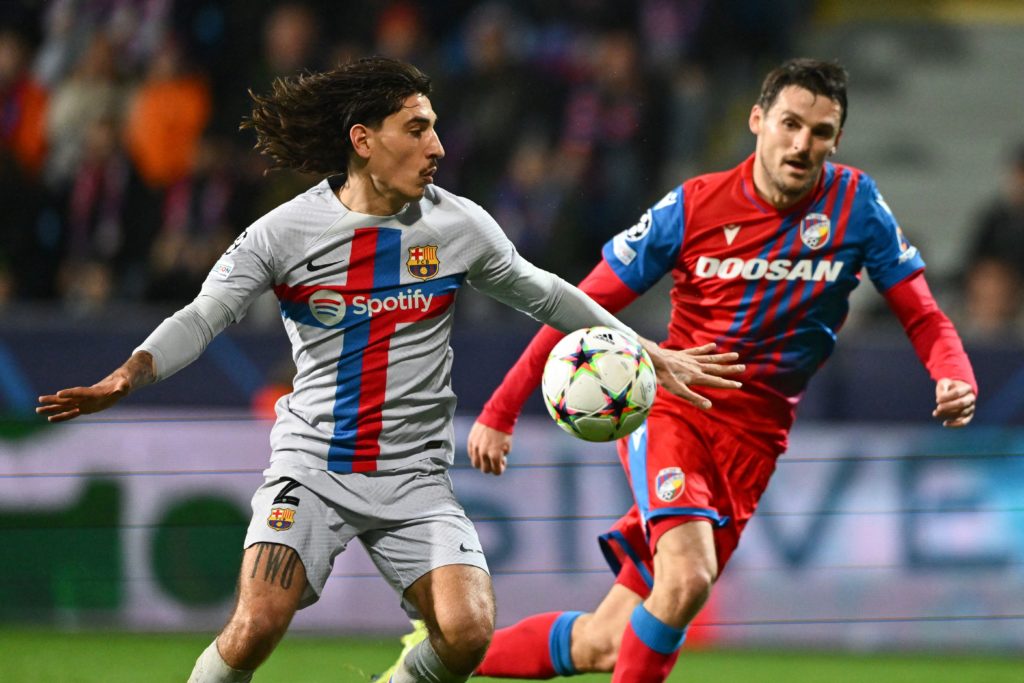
(870, 536)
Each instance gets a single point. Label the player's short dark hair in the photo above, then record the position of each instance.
(303, 123)
(819, 77)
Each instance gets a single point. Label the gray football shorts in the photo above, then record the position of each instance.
(407, 519)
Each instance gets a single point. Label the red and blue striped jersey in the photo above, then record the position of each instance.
(772, 285)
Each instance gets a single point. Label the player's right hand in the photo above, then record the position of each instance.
(488, 448)
(67, 404)
(676, 370)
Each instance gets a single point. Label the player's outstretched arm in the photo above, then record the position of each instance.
(138, 371)
(700, 366)
(488, 448)
(175, 343)
(938, 345)
(955, 402)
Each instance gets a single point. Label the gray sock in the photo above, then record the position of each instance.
(422, 665)
(211, 668)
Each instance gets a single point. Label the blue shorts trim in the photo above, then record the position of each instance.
(636, 444)
(607, 539)
(716, 520)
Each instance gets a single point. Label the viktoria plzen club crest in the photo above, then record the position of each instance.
(423, 263)
(815, 229)
(670, 483)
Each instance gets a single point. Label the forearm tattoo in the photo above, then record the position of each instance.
(276, 564)
(139, 370)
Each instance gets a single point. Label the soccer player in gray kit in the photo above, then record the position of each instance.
(366, 265)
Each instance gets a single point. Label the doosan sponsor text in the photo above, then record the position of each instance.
(763, 269)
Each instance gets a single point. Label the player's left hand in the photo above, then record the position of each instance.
(488, 448)
(700, 365)
(954, 402)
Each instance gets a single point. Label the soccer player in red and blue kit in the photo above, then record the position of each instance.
(763, 259)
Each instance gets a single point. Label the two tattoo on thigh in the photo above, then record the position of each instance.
(275, 564)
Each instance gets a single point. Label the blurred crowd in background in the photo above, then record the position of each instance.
(123, 174)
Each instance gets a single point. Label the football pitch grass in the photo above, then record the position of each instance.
(38, 656)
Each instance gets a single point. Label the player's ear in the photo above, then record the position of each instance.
(359, 136)
(835, 145)
(756, 119)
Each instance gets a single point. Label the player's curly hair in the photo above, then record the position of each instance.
(819, 77)
(303, 123)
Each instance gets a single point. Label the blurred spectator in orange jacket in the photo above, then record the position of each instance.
(22, 104)
(166, 118)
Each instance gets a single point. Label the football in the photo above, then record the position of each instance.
(598, 384)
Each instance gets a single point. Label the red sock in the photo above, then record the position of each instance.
(536, 648)
(649, 650)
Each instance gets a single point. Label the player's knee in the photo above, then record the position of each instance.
(248, 639)
(469, 634)
(685, 592)
(595, 645)
(256, 629)
(605, 656)
(465, 636)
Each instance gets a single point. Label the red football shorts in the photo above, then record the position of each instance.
(683, 466)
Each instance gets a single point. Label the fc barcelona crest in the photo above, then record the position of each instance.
(815, 229)
(281, 519)
(423, 263)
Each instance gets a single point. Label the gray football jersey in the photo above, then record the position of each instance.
(367, 302)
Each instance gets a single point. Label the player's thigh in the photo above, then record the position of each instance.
(616, 608)
(685, 569)
(271, 584)
(431, 555)
(294, 511)
(684, 549)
